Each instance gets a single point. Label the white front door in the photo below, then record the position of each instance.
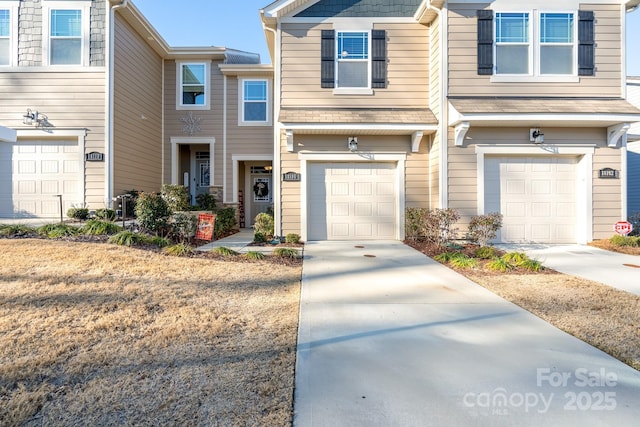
(536, 196)
(352, 201)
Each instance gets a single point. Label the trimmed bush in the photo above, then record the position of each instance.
(286, 253)
(259, 238)
(79, 214)
(107, 214)
(415, 219)
(225, 221)
(264, 224)
(183, 226)
(619, 240)
(206, 202)
(434, 226)
(177, 197)
(292, 238)
(483, 228)
(153, 212)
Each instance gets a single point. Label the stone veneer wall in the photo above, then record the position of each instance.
(30, 33)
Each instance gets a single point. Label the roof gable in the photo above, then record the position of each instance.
(361, 9)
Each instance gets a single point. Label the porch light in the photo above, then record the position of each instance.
(33, 117)
(536, 136)
(352, 143)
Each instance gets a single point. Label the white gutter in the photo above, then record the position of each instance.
(443, 184)
(110, 40)
(8, 135)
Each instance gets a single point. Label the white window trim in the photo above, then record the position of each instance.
(207, 86)
(241, 120)
(12, 6)
(530, 44)
(85, 7)
(365, 28)
(534, 52)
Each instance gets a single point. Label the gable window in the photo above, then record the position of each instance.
(254, 102)
(353, 62)
(536, 44)
(193, 85)
(67, 32)
(8, 32)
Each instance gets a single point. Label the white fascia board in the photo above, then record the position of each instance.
(361, 126)
(279, 8)
(8, 134)
(548, 118)
(349, 22)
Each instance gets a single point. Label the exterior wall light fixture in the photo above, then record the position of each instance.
(35, 118)
(536, 136)
(352, 143)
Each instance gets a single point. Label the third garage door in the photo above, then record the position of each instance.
(536, 196)
(352, 201)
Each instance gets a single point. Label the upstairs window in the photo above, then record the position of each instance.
(5, 37)
(193, 85)
(255, 102)
(65, 42)
(557, 50)
(66, 30)
(353, 60)
(513, 47)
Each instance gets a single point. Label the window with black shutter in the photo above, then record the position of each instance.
(378, 59)
(328, 58)
(586, 43)
(485, 42)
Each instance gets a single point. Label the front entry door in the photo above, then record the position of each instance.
(260, 191)
(201, 175)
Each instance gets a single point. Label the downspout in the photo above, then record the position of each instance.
(444, 109)
(162, 131)
(277, 174)
(224, 142)
(110, 83)
(623, 178)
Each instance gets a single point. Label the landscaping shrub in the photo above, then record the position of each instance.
(460, 260)
(97, 227)
(434, 226)
(176, 197)
(483, 228)
(264, 224)
(286, 253)
(17, 230)
(634, 219)
(180, 249)
(631, 241)
(292, 238)
(160, 242)
(515, 258)
(259, 238)
(531, 265)
(183, 226)
(54, 231)
(225, 221)
(500, 264)
(485, 252)
(225, 251)
(131, 202)
(129, 238)
(153, 212)
(206, 202)
(107, 214)
(79, 214)
(254, 255)
(415, 219)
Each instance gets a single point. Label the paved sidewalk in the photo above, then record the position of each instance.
(389, 337)
(240, 242)
(617, 270)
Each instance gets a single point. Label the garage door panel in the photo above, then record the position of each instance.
(360, 202)
(536, 195)
(26, 166)
(26, 188)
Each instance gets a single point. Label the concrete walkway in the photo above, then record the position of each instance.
(389, 337)
(614, 269)
(240, 242)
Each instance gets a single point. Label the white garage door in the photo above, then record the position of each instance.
(536, 196)
(351, 201)
(32, 173)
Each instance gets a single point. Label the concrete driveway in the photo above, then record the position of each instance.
(389, 337)
(614, 269)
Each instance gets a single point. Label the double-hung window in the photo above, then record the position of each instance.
(193, 85)
(535, 44)
(66, 32)
(513, 46)
(255, 102)
(353, 60)
(8, 32)
(5, 37)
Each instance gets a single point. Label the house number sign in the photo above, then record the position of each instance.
(94, 156)
(291, 176)
(608, 173)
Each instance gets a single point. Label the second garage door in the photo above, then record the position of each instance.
(352, 201)
(536, 196)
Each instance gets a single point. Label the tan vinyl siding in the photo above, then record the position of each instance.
(70, 100)
(137, 113)
(464, 80)
(407, 68)
(244, 140)
(607, 194)
(434, 171)
(435, 67)
(210, 120)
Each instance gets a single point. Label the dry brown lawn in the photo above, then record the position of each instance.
(96, 334)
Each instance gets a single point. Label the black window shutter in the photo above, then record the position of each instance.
(485, 42)
(328, 59)
(378, 58)
(586, 43)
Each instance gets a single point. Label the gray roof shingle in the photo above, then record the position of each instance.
(361, 8)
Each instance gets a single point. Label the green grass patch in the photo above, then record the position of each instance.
(15, 229)
(254, 255)
(98, 227)
(129, 238)
(224, 251)
(180, 249)
(500, 264)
